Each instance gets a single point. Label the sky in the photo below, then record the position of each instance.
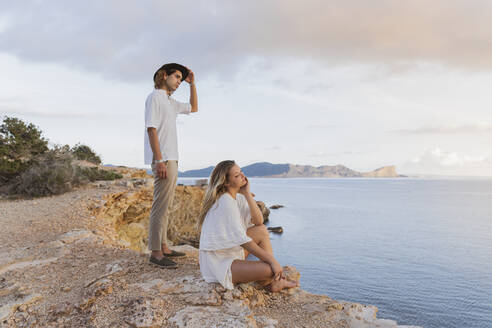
(360, 83)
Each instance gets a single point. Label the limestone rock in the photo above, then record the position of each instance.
(185, 285)
(12, 298)
(264, 210)
(61, 309)
(141, 314)
(234, 314)
(134, 235)
(189, 250)
(113, 267)
(129, 212)
(276, 229)
(76, 236)
(364, 316)
(291, 273)
(204, 298)
(149, 285)
(266, 322)
(24, 264)
(382, 172)
(252, 293)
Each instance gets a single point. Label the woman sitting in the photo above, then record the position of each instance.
(232, 227)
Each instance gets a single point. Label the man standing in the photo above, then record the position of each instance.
(161, 151)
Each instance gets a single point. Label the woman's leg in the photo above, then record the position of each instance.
(247, 271)
(261, 237)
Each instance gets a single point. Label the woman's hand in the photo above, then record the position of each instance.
(245, 189)
(277, 270)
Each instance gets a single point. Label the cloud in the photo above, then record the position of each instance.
(128, 40)
(320, 126)
(274, 148)
(39, 113)
(438, 161)
(444, 158)
(330, 154)
(457, 129)
(16, 106)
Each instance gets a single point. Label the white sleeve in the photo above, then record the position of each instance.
(244, 210)
(180, 107)
(225, 229)
(152, 112)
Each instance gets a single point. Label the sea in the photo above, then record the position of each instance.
(418, 249)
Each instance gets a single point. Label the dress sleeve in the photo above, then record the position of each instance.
(224, 228)
(152, 113)
(180, 107)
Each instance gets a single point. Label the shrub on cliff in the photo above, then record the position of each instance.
(53, 173)
(50, 173)
(85, 153)
(28, 167)
(19, 143)
(95, 174)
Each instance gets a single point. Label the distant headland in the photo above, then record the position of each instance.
(269, 170)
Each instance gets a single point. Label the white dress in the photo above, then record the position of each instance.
(223, 233)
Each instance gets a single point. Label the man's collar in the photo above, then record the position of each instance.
(163, 92)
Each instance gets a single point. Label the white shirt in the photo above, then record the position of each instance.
(226, 223)
(160, 113)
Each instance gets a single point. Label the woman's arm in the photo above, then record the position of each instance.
(266, 257)
(256, 215)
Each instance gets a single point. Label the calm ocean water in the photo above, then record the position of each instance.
(418, 249)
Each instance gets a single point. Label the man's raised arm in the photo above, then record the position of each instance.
(193, 97)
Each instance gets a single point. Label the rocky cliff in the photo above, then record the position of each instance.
(336, 171)
(382, 172)
(128, 212)
(269, 170)
(299, 171)
(77, 260)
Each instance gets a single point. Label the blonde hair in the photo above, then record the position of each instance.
(216, 187)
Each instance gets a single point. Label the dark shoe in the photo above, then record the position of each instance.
(174, 254)
(163, 263)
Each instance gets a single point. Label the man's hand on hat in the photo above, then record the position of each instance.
(191, 77)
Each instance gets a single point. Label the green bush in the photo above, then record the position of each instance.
(19, 143)
(85, 153)
(94, 174)
(29, 168)
(51, 173)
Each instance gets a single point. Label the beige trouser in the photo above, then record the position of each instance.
(163, 197)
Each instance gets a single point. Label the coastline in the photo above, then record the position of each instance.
(68, 260)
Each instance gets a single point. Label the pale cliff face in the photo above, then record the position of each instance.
(383, 172)
(130, 210)
(336, 171)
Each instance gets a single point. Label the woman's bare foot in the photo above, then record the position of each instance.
(278, 285)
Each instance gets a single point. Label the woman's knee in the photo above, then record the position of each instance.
(262, 229)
